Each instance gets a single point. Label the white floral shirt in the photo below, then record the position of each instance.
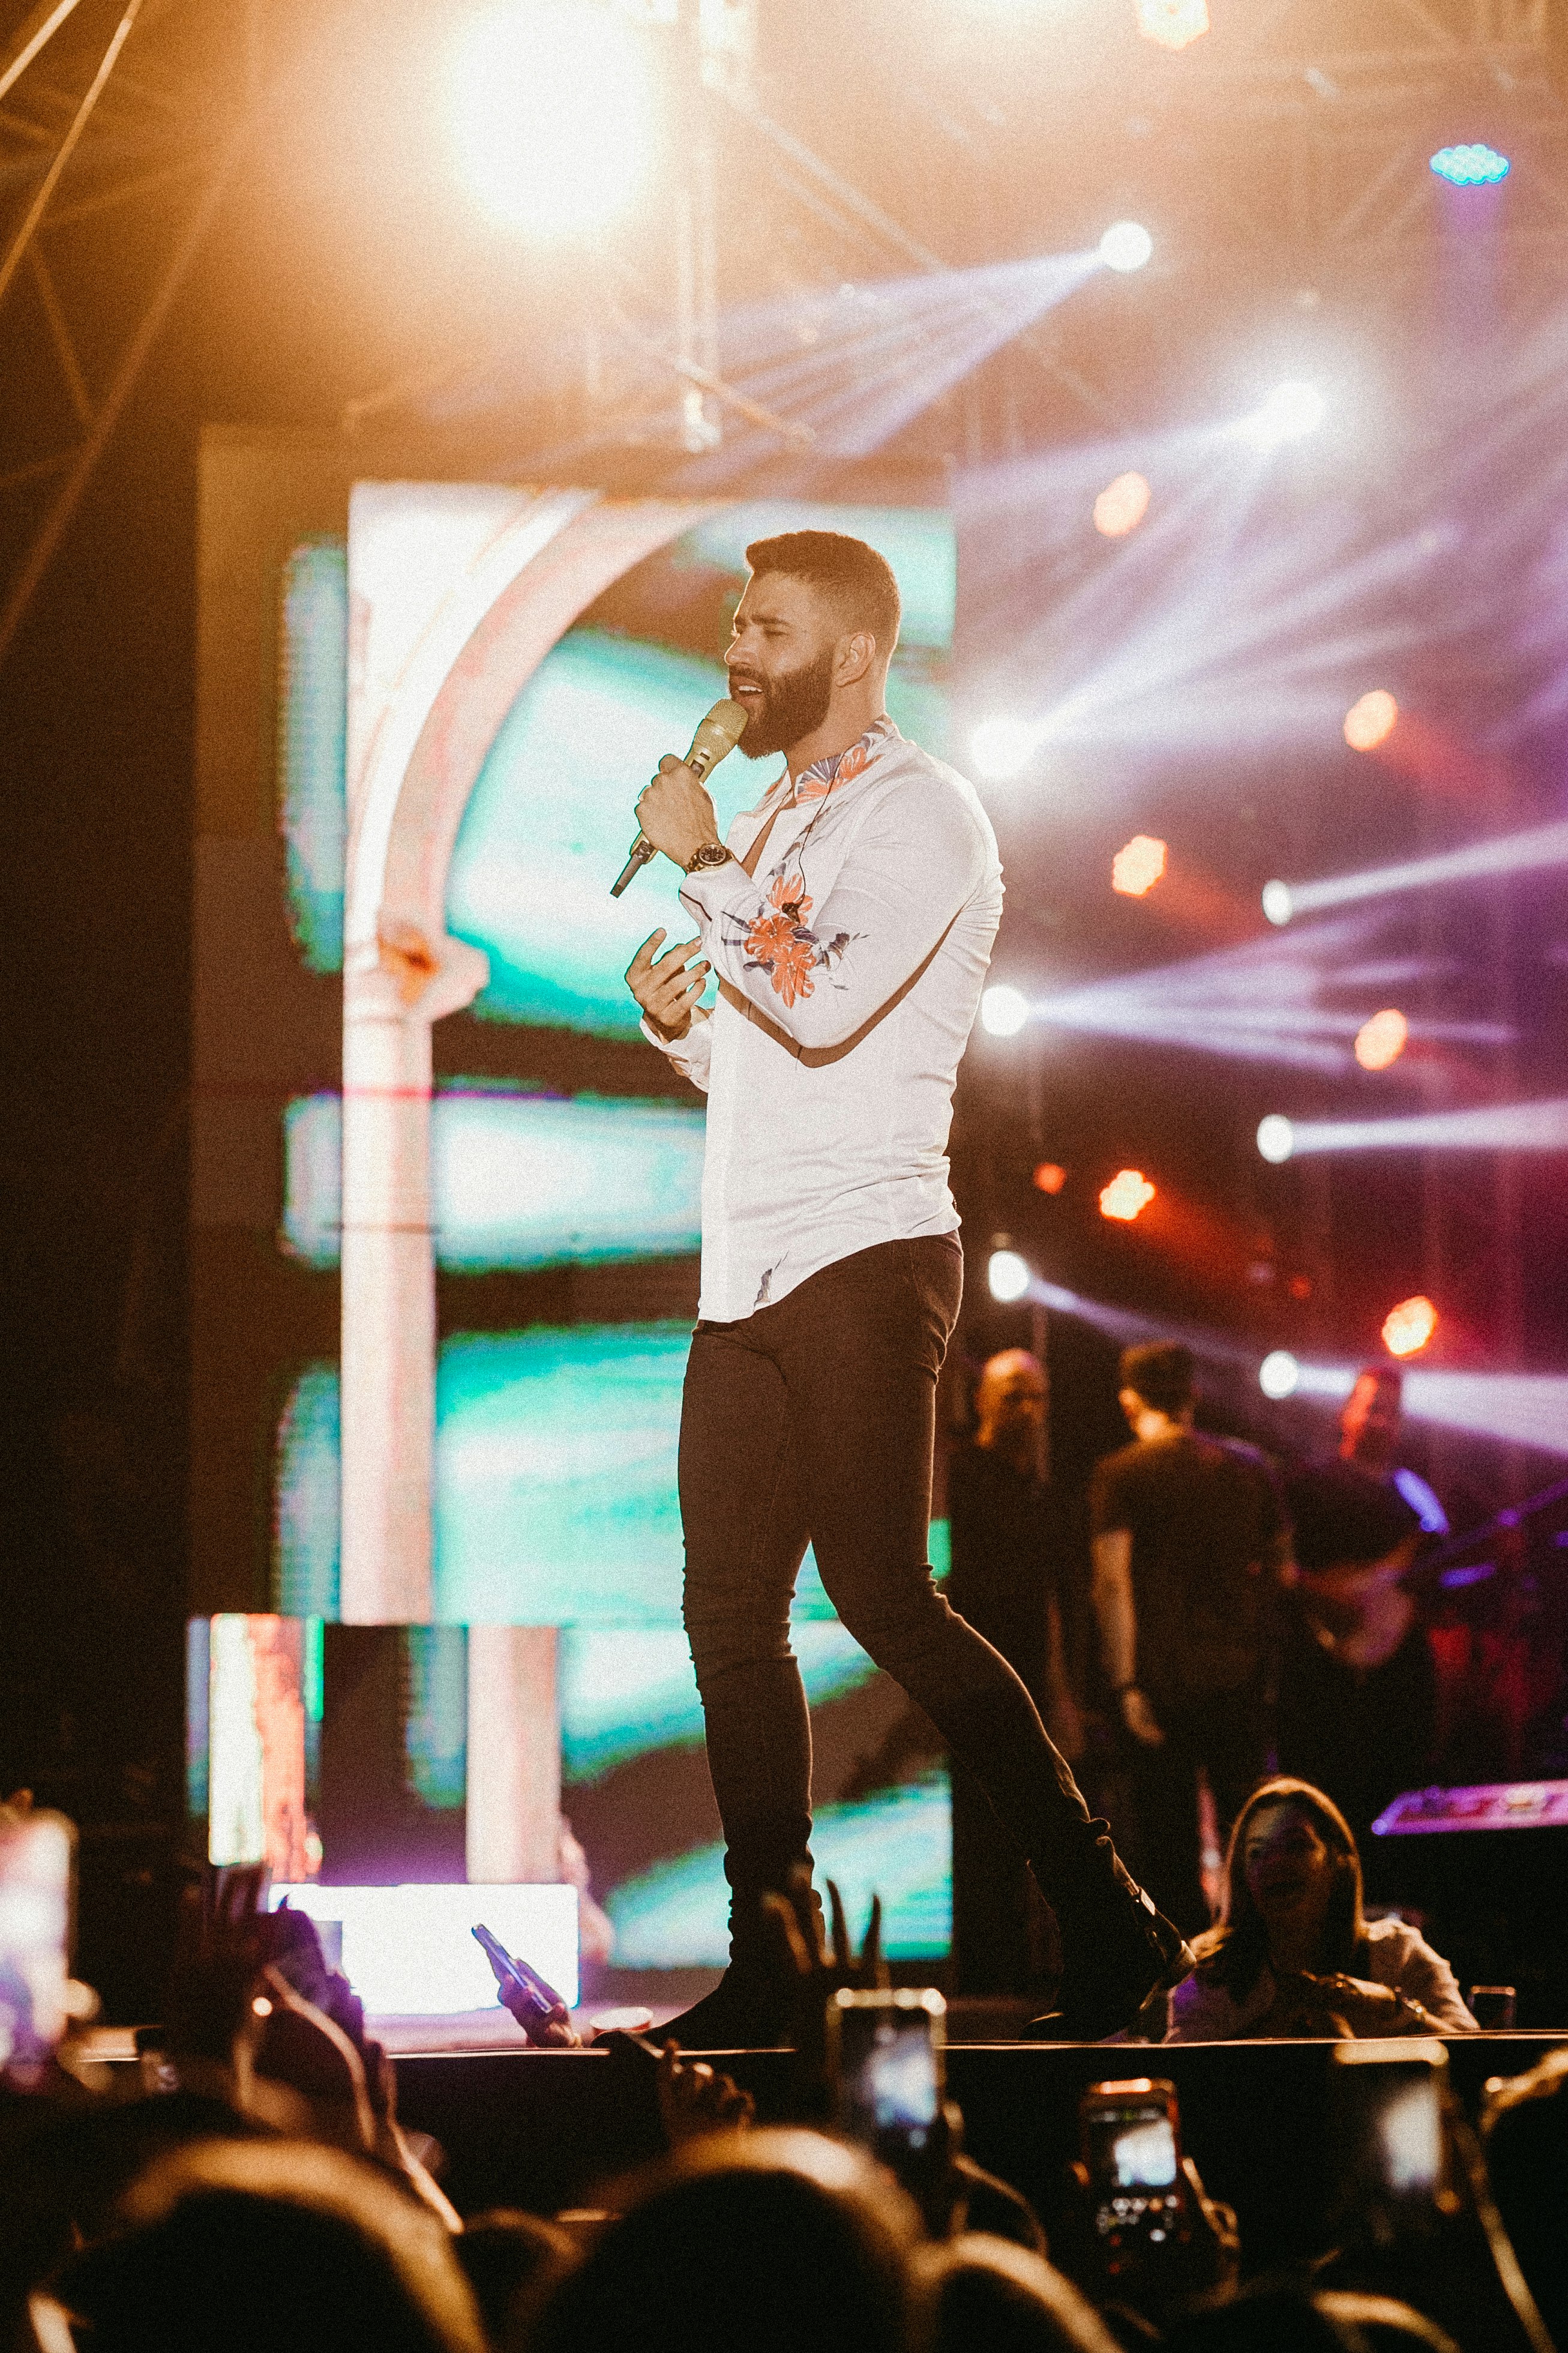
(850, 969)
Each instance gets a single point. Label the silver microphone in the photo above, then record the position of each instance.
(718, 734)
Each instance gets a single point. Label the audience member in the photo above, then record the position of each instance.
(514, 2262)
(1271, 2317)
(271, 2247)
(761, 2240)
(1189, 1535)
(1525, 2133)
(981, 2295)
(1293, 1953)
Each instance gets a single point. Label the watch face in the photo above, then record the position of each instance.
(713, 853)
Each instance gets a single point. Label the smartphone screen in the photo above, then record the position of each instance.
(888, 2053)
(36, 1855)
(1132, 2155)
(1388, 2138)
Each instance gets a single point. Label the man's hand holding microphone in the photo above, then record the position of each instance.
(676, 815)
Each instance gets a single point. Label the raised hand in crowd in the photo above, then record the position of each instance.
(695, 2098)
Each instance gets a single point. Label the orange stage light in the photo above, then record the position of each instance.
(1408, 1328)
(1139, 866)
(1172, 23)
(1121, 506)
(1382, 1039)
(1127, 1193)
(1050, 1178)
(1370, 722)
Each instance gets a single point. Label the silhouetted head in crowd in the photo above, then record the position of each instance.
(1526, 2127)
(271, 2246)
(985, 2295)
(1369, 1423)
(1292, 1889)
(1157, 1379)
(1273, 2319)
(741, 2242)
(514, 2262)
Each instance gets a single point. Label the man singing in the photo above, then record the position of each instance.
(850, 922)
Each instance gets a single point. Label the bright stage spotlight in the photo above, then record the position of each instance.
(1003, 1012)
(1001, 748)
(1050, 1176)
(1475, 167)
(1276, 1138)
(1290, 412)
(1173, 23)
(1370, 722)
(1008, 1276)
(1505, 853)
(1383, 1039)
(1407, 1327)
(1137, 867)
(1280, 1375)
(1121, 506)
(1127, 1194)
(1540, 1126)
(1126, 245)
(551, 110)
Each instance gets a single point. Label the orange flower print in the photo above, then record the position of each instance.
(788, 895)
(785, 952)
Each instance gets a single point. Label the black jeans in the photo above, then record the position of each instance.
(814, 1419)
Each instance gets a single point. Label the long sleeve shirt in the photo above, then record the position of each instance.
(1395, 1955)
(850, 969)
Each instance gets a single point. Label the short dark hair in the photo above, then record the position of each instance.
(1161, 1373)
(855, 580)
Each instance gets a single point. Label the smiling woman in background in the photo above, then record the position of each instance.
(1294, 1953)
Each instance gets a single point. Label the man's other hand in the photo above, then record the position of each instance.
(676, 813)
(1140, 1719)
(664, 985)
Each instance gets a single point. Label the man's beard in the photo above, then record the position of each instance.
(792, 706)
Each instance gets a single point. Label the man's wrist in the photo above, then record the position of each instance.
(707, 855)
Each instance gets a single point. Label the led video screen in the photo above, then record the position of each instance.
(427, 708)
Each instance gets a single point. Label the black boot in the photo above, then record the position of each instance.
(749, 2009)
(1118, 1950)
(752, 2007)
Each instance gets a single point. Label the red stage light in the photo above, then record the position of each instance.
(1139, 866)
(1121, 506)
(1383, 1039)
(1369, 721)
(1128, 1193)
(1050, 1178)
(1408, 1328)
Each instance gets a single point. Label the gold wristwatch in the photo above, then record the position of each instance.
(711, 853)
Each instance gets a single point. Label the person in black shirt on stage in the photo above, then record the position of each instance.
(1002, 1580)
(1189, 1538)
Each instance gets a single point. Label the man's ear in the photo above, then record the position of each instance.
(858, 658)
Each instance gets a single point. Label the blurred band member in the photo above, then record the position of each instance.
(1002, 1582)
(1189, 1536)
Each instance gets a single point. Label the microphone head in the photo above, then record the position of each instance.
(718, 734)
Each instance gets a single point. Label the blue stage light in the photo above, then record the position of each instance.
(1474, 166)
